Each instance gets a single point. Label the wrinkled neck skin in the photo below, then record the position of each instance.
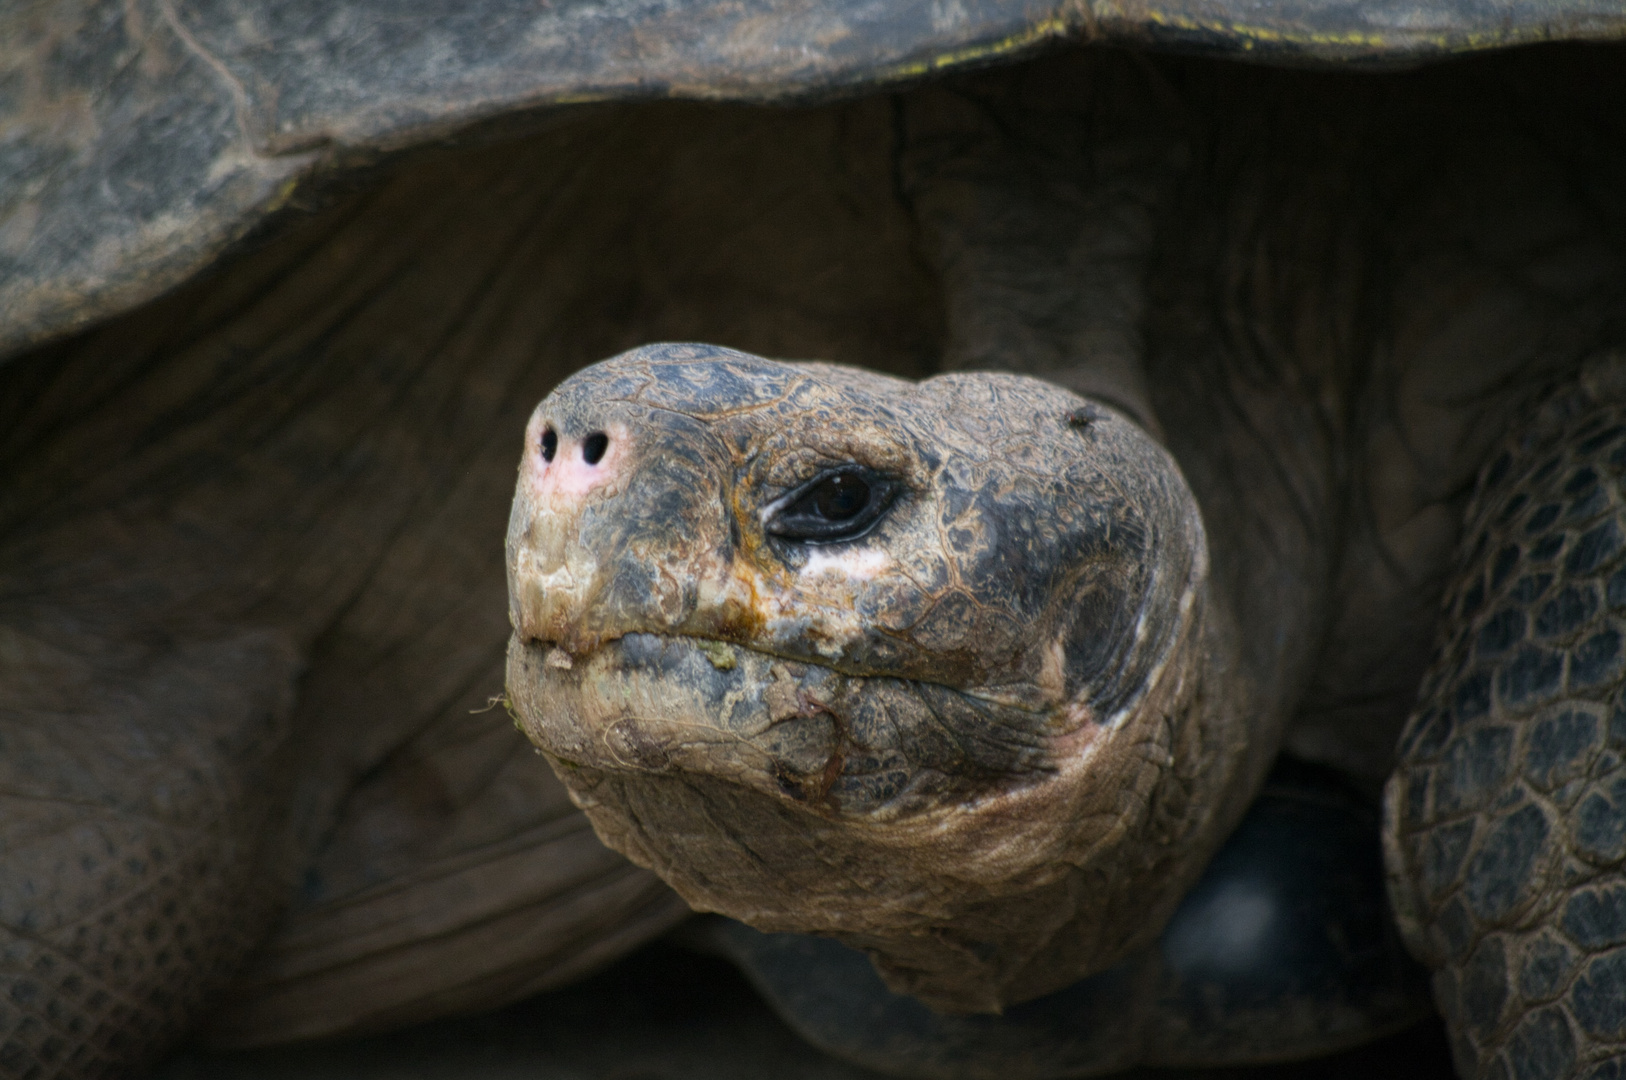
(991, 740)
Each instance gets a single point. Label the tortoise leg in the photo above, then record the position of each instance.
(142, 771)
(1506, 820)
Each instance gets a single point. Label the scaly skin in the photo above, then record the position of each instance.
(1507, 815)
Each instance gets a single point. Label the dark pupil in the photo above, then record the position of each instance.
(550, 444)
(840, 497)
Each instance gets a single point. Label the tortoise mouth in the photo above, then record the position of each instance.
(876, 747)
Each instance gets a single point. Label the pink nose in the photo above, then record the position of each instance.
(560, 469)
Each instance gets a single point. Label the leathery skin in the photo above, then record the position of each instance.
(973, 715)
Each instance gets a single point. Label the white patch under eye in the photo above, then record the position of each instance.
(856, 564)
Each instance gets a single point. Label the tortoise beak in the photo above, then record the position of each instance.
(552, 575)
(611, 497)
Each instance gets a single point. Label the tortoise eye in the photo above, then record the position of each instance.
(839, 504)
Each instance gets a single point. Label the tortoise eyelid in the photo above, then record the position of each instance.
(789, 518)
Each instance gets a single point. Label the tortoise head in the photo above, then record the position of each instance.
(834, 652)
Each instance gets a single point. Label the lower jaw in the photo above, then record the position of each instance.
(776, 793)
(870, 748)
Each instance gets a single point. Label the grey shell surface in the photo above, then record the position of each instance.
(140, 138)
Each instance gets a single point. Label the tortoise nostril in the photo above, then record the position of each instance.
(593, 447)
(550, 444)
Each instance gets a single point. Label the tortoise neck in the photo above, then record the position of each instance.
(1042, 224)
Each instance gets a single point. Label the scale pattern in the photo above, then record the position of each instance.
(1507, 816)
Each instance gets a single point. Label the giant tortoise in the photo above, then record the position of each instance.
(1183, 405)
